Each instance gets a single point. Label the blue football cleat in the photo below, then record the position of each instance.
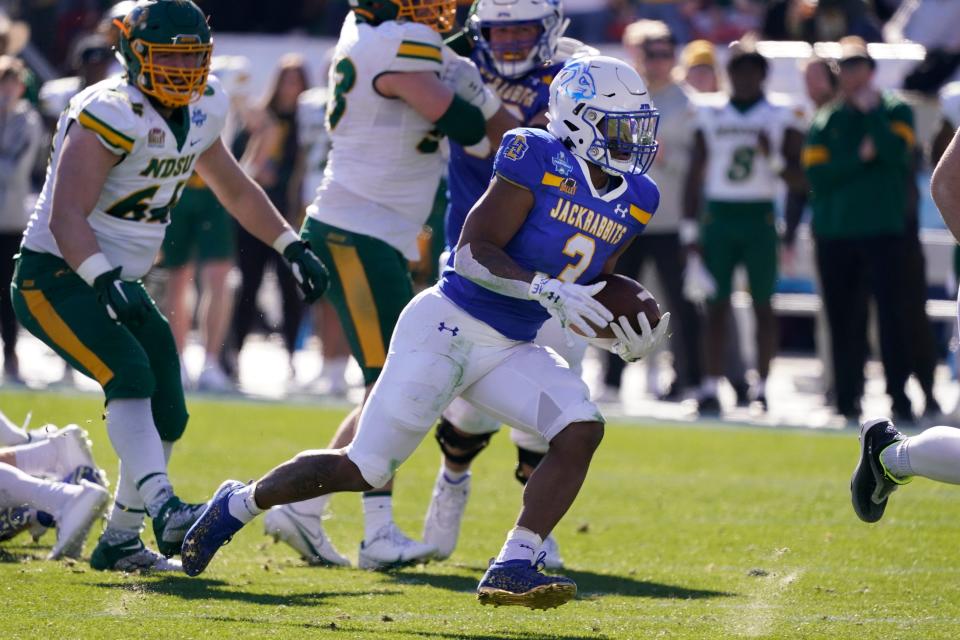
(521, 583)
(213, 529)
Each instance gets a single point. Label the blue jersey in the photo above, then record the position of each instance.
(570, 232)
(468, 176)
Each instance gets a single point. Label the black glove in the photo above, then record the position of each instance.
(127, 302)
(310, 273)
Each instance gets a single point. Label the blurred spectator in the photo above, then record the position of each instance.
(199, 248)
(315, 143)
(744, 144)
(91, 59)
(270, 157)
(20, 132)
(723, 21)
(932, 23)
(109, 30)
(14, 36)
(590, 20)
(858, 161)
(820, 20)
(670, 12)
(652, 50)
(699, 67)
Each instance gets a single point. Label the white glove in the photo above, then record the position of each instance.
(464, 79)
(698, 284)
(568, 48)
(572, 304)
(632, 346)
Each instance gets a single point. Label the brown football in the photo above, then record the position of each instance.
(625, 296)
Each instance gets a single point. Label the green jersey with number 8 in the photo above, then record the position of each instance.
(155, 158)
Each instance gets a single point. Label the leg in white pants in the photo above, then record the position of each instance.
(933, 454)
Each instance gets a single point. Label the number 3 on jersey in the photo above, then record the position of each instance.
(346, 75)
(578, 246)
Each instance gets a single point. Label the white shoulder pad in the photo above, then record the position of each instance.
(416, 47)
(55, 95)
(108, 111)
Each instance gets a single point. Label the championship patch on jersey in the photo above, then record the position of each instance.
(156, 138)
(560, 164)
(517, 149)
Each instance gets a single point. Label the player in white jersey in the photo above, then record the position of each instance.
(395, 91)
(123, 152)
(745, 144)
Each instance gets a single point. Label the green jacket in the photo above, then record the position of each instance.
(852, 198)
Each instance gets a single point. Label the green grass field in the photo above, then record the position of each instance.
(680, 532)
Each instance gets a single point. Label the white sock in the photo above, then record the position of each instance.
(19, 488)
(10, 433)
(128, 511)
(312, 507)
(521, 544)
(37, 459)
(933, 454)
(709, 386)
(760, 388)
(242, 504)
(377, 512)
(335, 368)
(452, 477)
(135, 439)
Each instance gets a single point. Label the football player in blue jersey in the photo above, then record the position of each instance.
(530, 249)
(518, 48)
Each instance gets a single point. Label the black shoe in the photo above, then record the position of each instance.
(932, 411)
(871, 485)
(709, 407)
(742, 390)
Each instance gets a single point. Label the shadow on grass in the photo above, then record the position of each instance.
(588, 583)
(204, 589)
(15, 554)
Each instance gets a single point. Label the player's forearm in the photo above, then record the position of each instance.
(251, 207)
(74, 236)
(490, 267)
(945, 187)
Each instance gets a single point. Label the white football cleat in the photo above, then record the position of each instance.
(551, 559)
(305, 534)
(213, 380)
(441, 527)
(76, 518)
(390, 548)
(73, 450)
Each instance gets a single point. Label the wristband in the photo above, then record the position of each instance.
(95, 265)
(689, 232)
(491, 103)
(536, 285)
(284, 240)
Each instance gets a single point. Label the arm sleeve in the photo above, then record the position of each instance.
(517, 160)
(110, 116)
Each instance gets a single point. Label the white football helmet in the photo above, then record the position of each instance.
(601, 110)
(515, 58)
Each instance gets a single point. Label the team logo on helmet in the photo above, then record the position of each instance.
(579, 83)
